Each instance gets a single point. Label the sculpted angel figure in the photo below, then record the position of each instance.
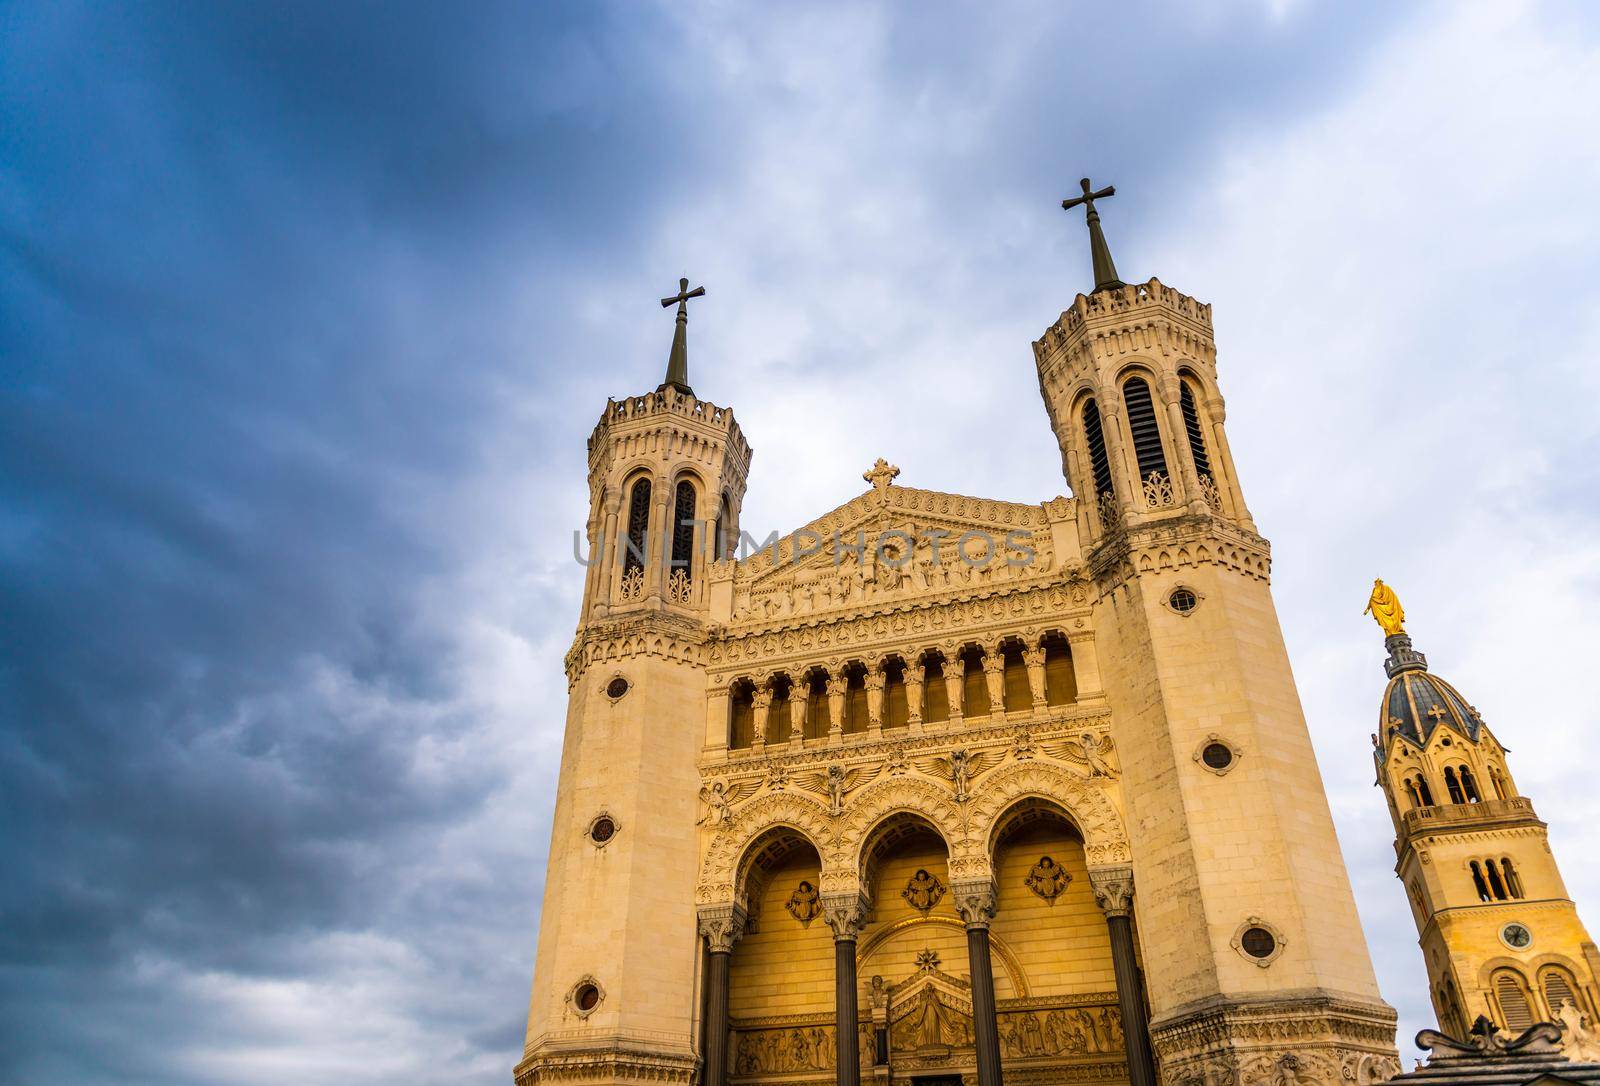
(959, 768)
(1384, 607)
(924, 891)
(1048, 879)
(1087, 752)
(837, 782)
(719, 800)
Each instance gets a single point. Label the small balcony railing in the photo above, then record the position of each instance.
(1450, 814)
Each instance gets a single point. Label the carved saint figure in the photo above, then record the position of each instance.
(1384, 607)
(1048, 879)
(805, 904)
(933, 1028)
(1578, 1040)
(924, 891)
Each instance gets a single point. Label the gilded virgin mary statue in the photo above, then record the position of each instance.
(1384, 607)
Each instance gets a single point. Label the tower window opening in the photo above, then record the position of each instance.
(1060, 681)
(1513, 880)
(1099, 463)
(1411, 793)
(1479, 884)
(855, 699)
(896, 710)
(974, 687)
(1142, 425)
(637, 545)
(1515, 1008)
(1453, 786)
(935, 690)
(780, 716)
(1191, 425)
(1498, 782)
(683, 532)
(1497, 885)
(1016, 693)
(1558, 989)
(741, 717)
(1424, 791)
(1469, 786)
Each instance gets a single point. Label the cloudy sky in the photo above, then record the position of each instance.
(307, 310)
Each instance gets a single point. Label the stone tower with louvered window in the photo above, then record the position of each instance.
(1499, 933)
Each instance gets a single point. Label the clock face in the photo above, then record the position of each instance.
(1516, 936)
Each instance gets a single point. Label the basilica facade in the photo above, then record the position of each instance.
(940, 788)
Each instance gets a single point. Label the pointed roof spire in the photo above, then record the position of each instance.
(678, 360)
(1105, 272)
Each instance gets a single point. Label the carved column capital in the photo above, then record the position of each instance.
(975, 901)
(915, 673)
(721, 926)
(844, 913)
(994, 662)
(1113, 889)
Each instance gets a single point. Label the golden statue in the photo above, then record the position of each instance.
(1384, 607)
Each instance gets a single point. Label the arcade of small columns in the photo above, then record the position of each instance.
(933, 689)
(846, 844)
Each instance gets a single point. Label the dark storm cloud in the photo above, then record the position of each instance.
(282, 287)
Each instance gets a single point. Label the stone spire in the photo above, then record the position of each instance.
(678, 360)
(1105, 272)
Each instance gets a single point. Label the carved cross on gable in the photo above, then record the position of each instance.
(1438, 713)
(882, 474)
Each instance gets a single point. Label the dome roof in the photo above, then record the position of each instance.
(1416, 703)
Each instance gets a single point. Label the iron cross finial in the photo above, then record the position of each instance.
(1105, 272)
(678, 359)
(683, 296)
(1087, 199)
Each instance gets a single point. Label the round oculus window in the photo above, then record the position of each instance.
(602, 830)
(1258, 942)
(1516, 936)
(586, 997)
(1217, 755)
(1182, 600)
(616, 688)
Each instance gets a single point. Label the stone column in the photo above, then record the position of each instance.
(845, 913)
(1113, 892)
(1218, 411)
(721, 928)
(837, 686)
(1085, 665)
(994, 676)
(761, 702)
(975, 902)
(659, 547)
(1130, 496)
(1171, 390)
(914, 675)
(876, 684)
(1034, 658)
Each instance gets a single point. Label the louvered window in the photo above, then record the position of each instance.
(1095, 436)
(1191, 423)
(638, 526)
(1142, 426)
(1558, 990)
(1513, 1000)
(683, 529)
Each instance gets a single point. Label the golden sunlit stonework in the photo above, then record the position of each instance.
(1500, 936)
(1011, 792)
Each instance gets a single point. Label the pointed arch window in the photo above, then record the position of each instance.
(1094, 436)
(1452, 785)
(1142, 426)
(1497, 885)
(1191, 425)
(683, 529)
(1515, 1007)
(637, 544)
(1499, 783)
(1469, 785)
(1425, 792)
(1411, 793)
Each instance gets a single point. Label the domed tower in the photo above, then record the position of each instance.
(614, 988)
(1498, 932)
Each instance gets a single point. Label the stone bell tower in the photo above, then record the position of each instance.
(1498, 932)
(614, 993)
(1254, 957)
